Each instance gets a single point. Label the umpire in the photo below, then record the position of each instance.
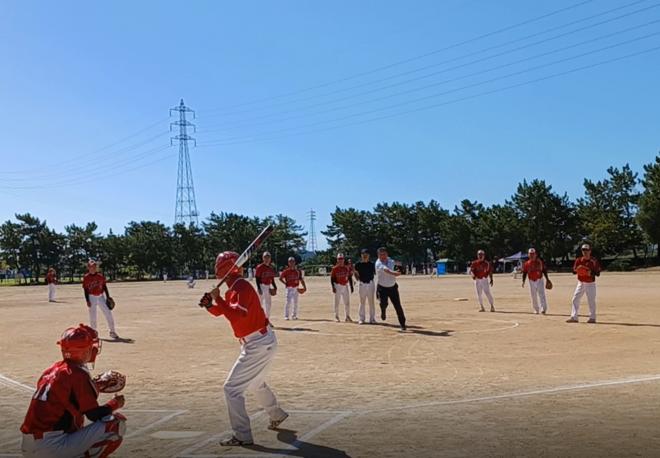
(387, 287)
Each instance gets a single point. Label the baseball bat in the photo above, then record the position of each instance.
(249, 251)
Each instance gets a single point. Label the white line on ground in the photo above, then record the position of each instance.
(520, 394)
(6, 381)
(149, 426)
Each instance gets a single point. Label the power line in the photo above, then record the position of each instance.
(418, 57)
(515, 62)
(461, 99)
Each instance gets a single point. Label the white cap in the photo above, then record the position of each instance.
(586, 246)
(340, 256)
(481, 252)
(266, 253)
(531, 250)
(291, 258)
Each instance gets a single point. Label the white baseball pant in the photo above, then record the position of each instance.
(537, 290)
(483, 288)
(266, 299)
(249, 373)
(99, 301)
(580, 290)
(291, 302)
(367, 292)
(51, 291)
(90, 441)
(342, 293)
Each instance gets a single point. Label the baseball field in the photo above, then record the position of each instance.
(457, 383)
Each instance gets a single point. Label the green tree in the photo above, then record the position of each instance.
(82, 243)
(188, 249)
(649, 203)
(288, 238)
(228, 232)
(149, 246)
(114, 253)
(11, 240)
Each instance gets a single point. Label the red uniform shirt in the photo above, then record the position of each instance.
(94, 283)
(340, 274)
(586, 269)
(51, 278)
(242, 307)
(265, 273)
(534, 269)
(65, 391)
(480, 269)
(291, 277)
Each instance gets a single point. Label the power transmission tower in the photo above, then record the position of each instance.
(186, 206)
(311, 238)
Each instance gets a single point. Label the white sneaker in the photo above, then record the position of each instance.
(348, 319)
(113, 335)
(286, 318)
(361, 322)
(337, 319)
(294, 317)
(372, 321)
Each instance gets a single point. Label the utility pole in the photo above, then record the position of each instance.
(311, 238)
(186, 206)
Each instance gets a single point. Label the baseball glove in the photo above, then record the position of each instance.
(110, 302)
(273, 292)
(548, 284)
(302, 290)
(110, 382)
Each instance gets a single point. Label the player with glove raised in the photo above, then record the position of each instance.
(65, 395)
(241, 306)
(264, 276)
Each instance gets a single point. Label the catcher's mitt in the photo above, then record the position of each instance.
(302, 290)
(110, 382)
(548, 284)
(110, 302)
(273, 292)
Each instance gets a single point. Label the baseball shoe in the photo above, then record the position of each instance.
(113, 335)
(337, 319)
(383, 316)
(294, 317)
(233, 441)
(572, 320)
(275, 423)
(591, 321)
(482, 309)
(361, 322)
(492, 309)
(286, 318)
(372, 321)
(403, 328)
(348, 319)
(543, 311)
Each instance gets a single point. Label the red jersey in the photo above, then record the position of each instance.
(291, 277)
(534, 269)
(480, 269)
(65, 391)
(51, 278)
(586, 269)
(340, 274)
(242, 307)
(265, 273)
(94, 283)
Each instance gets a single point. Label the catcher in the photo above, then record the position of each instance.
(292, 278)
(264, 276)
(65, 395)
(240, 305)
(535, 269)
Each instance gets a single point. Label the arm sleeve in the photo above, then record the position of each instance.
(105, 290)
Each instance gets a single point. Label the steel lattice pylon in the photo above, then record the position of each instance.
(186, 205)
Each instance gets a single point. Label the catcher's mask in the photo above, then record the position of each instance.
(80, 344)
(225, 264)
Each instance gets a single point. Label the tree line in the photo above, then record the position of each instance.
(619, 215)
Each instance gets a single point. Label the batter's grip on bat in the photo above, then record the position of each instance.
(206, 301)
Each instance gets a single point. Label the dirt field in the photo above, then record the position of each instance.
(458, 383)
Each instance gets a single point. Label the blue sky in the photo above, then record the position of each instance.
(285, 121)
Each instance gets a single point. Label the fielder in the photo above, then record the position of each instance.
(51, 281)
(535, 269)
(292, 278)
(241, 306)
(481, 273)
(587, 268)
(339, 278)
(65, 395)
(265, 279)
(97, 295)
(365, 272)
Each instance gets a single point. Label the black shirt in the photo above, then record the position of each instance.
(366, 271)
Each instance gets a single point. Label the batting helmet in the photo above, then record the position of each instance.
(80, 344)
(225, 264)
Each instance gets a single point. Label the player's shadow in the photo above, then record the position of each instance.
(304, 449)
(119, 340)
(529, 313)
(388, 325)
(317, 320)
(296, 329)
(427, 332)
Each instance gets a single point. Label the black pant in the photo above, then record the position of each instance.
(392, 292)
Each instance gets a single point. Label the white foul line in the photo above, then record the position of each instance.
(155, 423)
(6, 381)
(520, 394)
